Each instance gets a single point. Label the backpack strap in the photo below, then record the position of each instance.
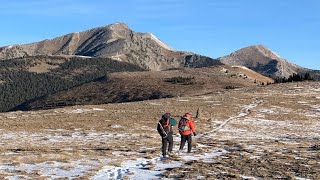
(168, 125)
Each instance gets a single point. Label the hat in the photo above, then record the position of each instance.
(184, 117)
(166, 116)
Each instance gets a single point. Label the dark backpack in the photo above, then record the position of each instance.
(165, 125)
(183, 125)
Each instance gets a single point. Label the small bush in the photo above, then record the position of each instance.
(181, 80)
(230, 87)
(315, 147)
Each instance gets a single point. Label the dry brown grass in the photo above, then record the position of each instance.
(260, 143)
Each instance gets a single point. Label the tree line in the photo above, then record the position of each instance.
(295, 78)
(17, 85)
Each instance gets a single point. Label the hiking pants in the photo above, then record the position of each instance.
(183, 141)
(165, 141)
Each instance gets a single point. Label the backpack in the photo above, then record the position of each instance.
(165, 125)
(183, 125)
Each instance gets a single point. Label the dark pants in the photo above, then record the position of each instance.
(165, 141)
(183, 141)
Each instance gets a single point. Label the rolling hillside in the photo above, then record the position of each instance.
(138, 86)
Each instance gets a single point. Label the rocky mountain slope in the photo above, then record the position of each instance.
(114, 41)
(262, 60)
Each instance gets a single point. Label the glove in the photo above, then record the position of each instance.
(194, 134)
(164, 134)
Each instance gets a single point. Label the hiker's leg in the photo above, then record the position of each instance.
(189, 137)
(183, 141)
(164, 147)
(170, 139)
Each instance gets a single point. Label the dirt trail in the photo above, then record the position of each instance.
(244, 112)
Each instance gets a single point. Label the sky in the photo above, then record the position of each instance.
(214, 28)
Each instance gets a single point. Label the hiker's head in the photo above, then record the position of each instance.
(184, 117)
(166, 116)
(188, 115)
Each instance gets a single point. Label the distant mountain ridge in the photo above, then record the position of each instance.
(119, 42)
(114, 41)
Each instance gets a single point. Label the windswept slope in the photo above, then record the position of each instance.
(114, 41)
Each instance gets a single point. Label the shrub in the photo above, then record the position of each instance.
(181, 80)
(230, 87)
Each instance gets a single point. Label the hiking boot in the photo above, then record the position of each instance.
(171, 154)
(164, 157)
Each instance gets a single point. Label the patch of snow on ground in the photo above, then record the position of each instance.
(242, 67)
(54, 169)
(268, 111)
(253, 128)
(61, 136)
(79, 111)
(299, 87)
(205, 157)
(98, 109)
(116, 126)
(249, 178)
(302, 102)
(246, 109)
(183, 100)
(299, 178)
(140, 168)
(155, 104)
(204, 98)
(12, 117)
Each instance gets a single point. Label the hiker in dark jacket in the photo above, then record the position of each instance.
(165, 130)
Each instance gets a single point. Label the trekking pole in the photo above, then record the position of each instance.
(164, 132)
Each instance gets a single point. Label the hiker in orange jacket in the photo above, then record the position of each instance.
(186, 129)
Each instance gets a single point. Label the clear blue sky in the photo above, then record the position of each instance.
(214, 28)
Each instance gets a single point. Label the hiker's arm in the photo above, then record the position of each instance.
(159, 130)
(193, 129)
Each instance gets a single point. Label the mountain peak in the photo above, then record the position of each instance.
(117, 25)
(254, 50)
(261, 59)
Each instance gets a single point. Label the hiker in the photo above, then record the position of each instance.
(166, 131)
(186, 129)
